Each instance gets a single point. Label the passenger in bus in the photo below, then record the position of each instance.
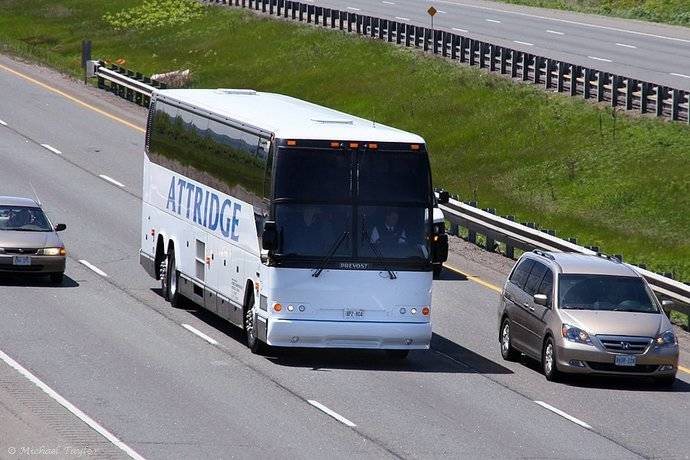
(311, 232)
(390, 234)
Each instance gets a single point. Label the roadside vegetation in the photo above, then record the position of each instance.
(615, 181)
(668, 11)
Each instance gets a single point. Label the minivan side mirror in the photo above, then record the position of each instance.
(60, 227)
(667, 303)
(443, 197)
(541, 299)
(269, 238)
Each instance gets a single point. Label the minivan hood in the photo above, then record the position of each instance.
(12, 239)
(596, 322)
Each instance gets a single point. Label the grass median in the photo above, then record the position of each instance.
(615, 181)
(667, 11)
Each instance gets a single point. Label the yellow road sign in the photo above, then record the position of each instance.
(432, 11)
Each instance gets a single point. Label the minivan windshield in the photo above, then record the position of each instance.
(23, 219)
(605, 293)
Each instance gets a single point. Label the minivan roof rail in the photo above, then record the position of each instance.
(608, 257)
(539, 252)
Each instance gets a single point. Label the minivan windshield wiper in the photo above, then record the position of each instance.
(377, 252)
(333, 250)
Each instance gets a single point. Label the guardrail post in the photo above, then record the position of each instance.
(454, 41)
(587, 85)
(504, 60)
(525, 66)
(561, 77)
(548, 77)
(490, 244)
(645, 91)
(676, 100)
(630, 88)
(510, 250)
(464, 44)
(471, 234)
(660, 100)
(574, 75)
(615, 84)
(513, 63)
(602, 78)
(492, 57)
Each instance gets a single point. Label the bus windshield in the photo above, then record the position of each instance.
(380, 199)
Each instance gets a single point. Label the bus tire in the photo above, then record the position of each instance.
(170, 282)
(438, 269)
(253, 343)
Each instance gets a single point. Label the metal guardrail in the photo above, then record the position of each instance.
(561, 76)
(516, 235)
(130, 85)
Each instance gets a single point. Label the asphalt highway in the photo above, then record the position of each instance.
(108, 343)
(645, 51)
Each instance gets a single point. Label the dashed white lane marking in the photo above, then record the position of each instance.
(352, 8)
(93, 268)
(3, 123)
(680, 75)
(555, 32)
(441, 12)
(563, 414)
(523, 43)
(111, 180)
(52, 149)
(626, 46)
(197, 332)
(599, 59)
(333, 414)
(564, 21)
(70, 407)
(493, 20)
(388, 3)
(399, 18)
(460, 30)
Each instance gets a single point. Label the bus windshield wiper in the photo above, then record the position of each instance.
(327, 259)
(377, 252)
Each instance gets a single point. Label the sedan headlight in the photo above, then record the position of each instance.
(666, 339)
(575, 334)
(51, 252)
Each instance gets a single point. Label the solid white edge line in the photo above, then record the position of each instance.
(493, 20)
(523, 43)
(402, 19)
(563, 414)
(111, 180)
(333, 414)
(353, 8)
(680, 75)
(52, 149)
(626, 46)
(388, 3)
(555, 32)
(599, 59)
(460, 30)
(3, 123)
(199, 334)
(93, 268)
(71, 407)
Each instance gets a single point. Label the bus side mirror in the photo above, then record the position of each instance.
(439, 248)
(269, 238)
(443, 197)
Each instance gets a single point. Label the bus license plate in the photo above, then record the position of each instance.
(354, 313)
(21, 260)
(626, 360)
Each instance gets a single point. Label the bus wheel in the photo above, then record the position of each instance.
(170, 281)
(253, 342)
(397, 354)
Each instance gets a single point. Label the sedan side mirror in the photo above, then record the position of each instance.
(541, 299)
(269, 238)
(60, 227)
(443, 197)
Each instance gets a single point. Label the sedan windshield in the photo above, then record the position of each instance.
(606, 293)
(23, 219)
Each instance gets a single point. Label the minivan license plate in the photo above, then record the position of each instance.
(626, 360)
(21, 260)
(354, 313)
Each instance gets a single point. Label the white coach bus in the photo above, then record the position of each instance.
(304, 226)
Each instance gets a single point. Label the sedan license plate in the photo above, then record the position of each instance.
(21, 260)
(626, 360)
(354, 314)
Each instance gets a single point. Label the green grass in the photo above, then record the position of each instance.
(618, 182)
(668, 11)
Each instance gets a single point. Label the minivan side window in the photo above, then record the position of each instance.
(521, 272)
(546, 286)
(535, 277)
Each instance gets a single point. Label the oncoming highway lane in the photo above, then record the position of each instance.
(118, 352)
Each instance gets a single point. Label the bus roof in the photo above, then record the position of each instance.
(287, 117)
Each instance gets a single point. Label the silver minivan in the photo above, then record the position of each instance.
(580, 314)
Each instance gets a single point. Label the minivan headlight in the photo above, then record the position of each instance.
(51, 252)
(575, 334)
(666, 339)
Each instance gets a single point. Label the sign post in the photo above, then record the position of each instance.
(85, 56)
(432, 12)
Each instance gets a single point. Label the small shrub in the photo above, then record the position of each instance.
(155, 14)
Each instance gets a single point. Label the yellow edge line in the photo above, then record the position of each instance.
(684, 369)
(476, 279)
(73, 99)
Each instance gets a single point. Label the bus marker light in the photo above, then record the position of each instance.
(425, 311)
(413, 311)
(335, 145)
(290, 308)
(277, 307)
(373, 146)
(354, 145)
(292, 143)
(414, 147)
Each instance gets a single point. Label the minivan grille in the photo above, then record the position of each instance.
(610, 367)
(622, 344)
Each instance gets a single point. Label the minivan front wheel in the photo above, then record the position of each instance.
(507, 351)
(548, 361)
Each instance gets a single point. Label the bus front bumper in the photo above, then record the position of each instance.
(348, 334)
